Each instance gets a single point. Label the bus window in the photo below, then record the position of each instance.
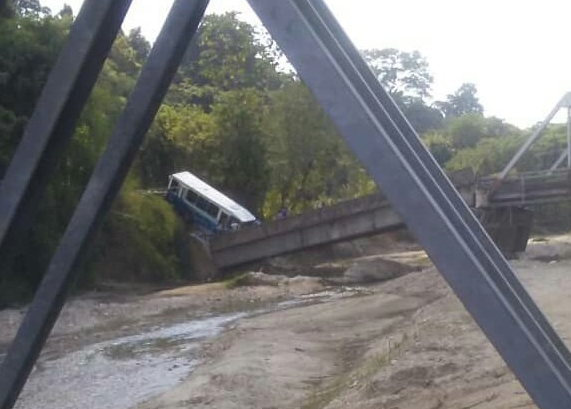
(203, 204)
(207, 207)
(173, 187)
(234, 223)
(212, 210)
(191, 197)
(223, 222)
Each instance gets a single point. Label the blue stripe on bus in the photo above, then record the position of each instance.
(191, 214)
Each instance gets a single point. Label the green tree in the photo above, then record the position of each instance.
(463, 102)
(226, 55)
(139, 44)
(239, 165)
(124, 64)
(30, 8)
(439, 146)
(487, 157)
(29, 44)
(309, 164)
(28, 49)
(66, 12)
(466, 131)
(422, 117)
(404, 75)
(182, 138)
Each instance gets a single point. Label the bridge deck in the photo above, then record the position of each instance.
(351, 219)
(527, 189)
(372, 214)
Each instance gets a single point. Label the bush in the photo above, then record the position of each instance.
(139, 240)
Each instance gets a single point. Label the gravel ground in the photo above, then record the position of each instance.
(290, 343)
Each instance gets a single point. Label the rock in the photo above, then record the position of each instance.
(261, 279)
(374, 269)
(257, 278)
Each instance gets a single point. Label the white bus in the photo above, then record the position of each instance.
(204, 206)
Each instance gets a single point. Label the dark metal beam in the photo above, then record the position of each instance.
(53, 122)
(385, 143)
(107, 178)
(431, 167)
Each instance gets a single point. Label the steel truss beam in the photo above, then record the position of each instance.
(565, 102)
(385, 143)
(103, 186)
(566, 154)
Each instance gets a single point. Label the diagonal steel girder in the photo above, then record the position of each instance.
(385, 143)
(564, 102)
(382, 139)
(54, 118)
(566, 154)
(105, 182)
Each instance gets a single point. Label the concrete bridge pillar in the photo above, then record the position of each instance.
(202, 266)
(509, 227)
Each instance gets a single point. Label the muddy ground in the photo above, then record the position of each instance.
(351, 342)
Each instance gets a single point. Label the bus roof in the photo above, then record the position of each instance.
(234, 209)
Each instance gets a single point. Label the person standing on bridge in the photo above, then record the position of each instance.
(282, 213)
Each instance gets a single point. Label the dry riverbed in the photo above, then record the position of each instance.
(352, 342)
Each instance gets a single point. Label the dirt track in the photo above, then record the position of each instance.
(405, 343)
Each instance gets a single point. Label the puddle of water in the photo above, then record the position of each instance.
(123, 372)
(340, 292)
(171, 340)
(320, 297)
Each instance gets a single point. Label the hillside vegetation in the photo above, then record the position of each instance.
(237, 116)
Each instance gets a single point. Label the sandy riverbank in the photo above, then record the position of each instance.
(405, 342)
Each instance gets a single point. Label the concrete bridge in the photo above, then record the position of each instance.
(345, 221)
(510, 226)
(525, 189)
(501, 209)
(499, 202)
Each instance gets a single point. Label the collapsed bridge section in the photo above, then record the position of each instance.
(509, 227)
(345, 221)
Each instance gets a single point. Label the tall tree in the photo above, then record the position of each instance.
(227, 55)
(309, 164)
(30, 8)
(404, 74)
(406, 77)
(240, 168)
(28, 48)
(422, 117)
(182, 138)
(466, 131)
(463, 101)
(139, 44)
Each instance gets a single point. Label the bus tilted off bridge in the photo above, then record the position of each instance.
(205, 207)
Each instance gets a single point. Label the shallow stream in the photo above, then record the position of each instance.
(125, 371)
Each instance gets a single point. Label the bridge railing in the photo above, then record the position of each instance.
(527, 188)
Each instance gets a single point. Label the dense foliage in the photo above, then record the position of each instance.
(236, 116)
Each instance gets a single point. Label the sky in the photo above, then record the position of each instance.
(517, 52)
